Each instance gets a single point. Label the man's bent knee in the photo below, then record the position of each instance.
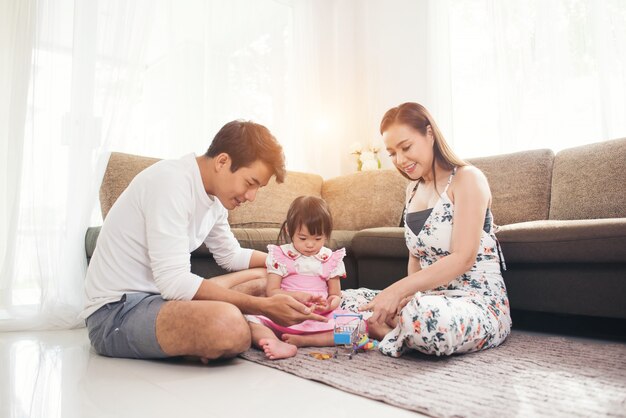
(208, 329)
(235, 336)
(227, 335)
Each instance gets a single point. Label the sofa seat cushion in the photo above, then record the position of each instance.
(255, 238)
(576, 241)
(380, 242)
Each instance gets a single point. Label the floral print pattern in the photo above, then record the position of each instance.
(471, 313)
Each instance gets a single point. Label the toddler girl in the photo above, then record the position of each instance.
(306, 270)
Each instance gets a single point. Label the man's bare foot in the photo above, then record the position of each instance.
(195, 359)
(378, 331)
(276, 349)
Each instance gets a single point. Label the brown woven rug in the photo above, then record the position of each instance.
(529, 375)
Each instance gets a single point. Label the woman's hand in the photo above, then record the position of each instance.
(384, 306)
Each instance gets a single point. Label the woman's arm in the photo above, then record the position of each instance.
(471, 197)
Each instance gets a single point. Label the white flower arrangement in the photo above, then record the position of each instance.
(367, 159)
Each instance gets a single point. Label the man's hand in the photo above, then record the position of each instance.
(308, 299)
(287, 311)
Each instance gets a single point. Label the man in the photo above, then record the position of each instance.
(142, 299)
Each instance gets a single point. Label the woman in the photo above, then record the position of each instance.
(453, 299)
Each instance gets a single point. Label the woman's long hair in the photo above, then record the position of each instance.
(417, 117)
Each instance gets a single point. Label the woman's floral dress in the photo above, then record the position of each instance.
(471, 313)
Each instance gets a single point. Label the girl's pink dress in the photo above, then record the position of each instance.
(305, 274)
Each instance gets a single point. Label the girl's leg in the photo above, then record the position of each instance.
(320, 339)
(265, 339)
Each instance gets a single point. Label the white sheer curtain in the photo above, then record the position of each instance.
(72, 79)
(507, 76)
(152, 77)
(16, 32)
(159, 77)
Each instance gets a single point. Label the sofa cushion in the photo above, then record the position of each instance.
(588, 182)
(366, 199)
(520, 184)
(259, 238)
(269, 209)
(121, 169)
(576, 241)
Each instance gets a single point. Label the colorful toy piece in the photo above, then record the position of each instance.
(366, 344)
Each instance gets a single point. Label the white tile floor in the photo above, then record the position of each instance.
(57, 374)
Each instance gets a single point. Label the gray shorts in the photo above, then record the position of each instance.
(127, 328)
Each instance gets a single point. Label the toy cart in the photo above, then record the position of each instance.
(347, 332)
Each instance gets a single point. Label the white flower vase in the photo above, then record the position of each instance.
(367, 159)
(370, 165)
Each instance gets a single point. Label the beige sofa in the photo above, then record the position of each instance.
(562, 224)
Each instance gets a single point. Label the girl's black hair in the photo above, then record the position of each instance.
(310, 211)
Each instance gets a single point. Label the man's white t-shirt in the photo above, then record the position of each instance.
(146, 240)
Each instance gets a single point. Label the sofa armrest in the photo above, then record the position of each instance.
(91, 237)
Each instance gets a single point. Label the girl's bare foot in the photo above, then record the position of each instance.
(292, 339)
(276, 349)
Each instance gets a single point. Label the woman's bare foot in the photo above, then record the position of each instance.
(378, 331)
(276, 349)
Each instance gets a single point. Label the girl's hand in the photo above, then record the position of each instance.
(307, 298)
(385, 306)
(329, 305)
(286, 310)
(333, 302)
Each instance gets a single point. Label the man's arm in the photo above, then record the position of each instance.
(282, 309)
(226, 250)
(257, 259)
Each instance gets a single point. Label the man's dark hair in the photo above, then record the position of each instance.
(246, 142)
